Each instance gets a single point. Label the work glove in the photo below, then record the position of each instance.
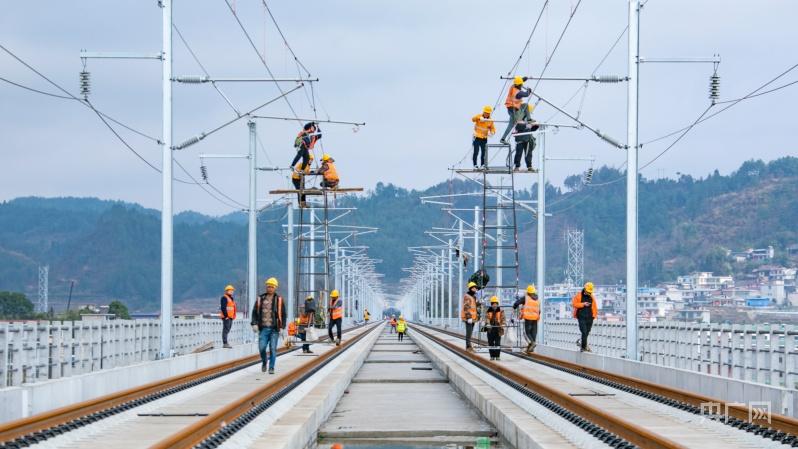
(470, 321)
(255, 328)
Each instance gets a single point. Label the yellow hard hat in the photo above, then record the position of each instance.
(334, 294)
(487, 110)
(531, 289)
(273, 282)
(518, 81)
(229, 288)
(494, 299)
(472, 284)
(401, 317)
(589, 287)
(296, 321)
(325, 157)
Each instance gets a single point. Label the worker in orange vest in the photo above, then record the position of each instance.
(515, 97)
(268, 320)
(495, 323)
(336, 316)
(304, 143)
(227, 313)
(483, 128)
(530, 313)
(469, 313)
(585, 311)
(329, 172)
(393, 324)
(306, 320)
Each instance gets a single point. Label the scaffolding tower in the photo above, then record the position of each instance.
(575, 271)
(42, 305)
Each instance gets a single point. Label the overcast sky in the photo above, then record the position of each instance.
(415, 71)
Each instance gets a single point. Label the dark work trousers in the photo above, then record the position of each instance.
(469, 331)
(301, 153)
(298, 184)
(480, 144)
(584, 328)
(337, 323)
(524, 149)
(510, 123)
(494, 339)
(303, 336)
(227, 324)
(401, 336)
(531, 329)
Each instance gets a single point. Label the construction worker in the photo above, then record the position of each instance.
(530, 313)
(585, 311)
(515, 96)
(304, 142)
(483, 128)
(306, 319)
(227, 313)
(393, 324)
(336, 316)
(401, 327)
(495, 322)
(524, 141)
(469, 313)
(268, 320)
(366, 316)
(298, 178)
(329, 172)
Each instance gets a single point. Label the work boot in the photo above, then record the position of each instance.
(263, 367)
(529, 348)
(587, 349)
(271, 370)
(309, 351)
(338, 342)
(227, 346)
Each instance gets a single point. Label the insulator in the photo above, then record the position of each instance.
(588, 175)
(190, 141)
(192, 79)
(609, 79)
(85, 83)
(204, 172)
(714, 87)
(608, 139)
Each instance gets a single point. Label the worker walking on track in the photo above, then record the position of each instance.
(469, 313)
(366, 316)
(495, 322)
(524, 141)
(585, 311)
(304, 143)
(298, 179)
(227, 313)
(306, 320)
(393, 324)
(329, 172)
(268, 320)
(483, 128)
(336, 316)
(401, 327)
(515, 97)
(530, 313)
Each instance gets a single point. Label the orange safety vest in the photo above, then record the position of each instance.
(531, 310)
(511, 101)
(393, 322)
(336, 312)
(295, 174)
(231, 308)
(331, 174)
(576, 302)
(292, 328)
(469, 308)
(483, 126)
(304, 319)
(494, 319)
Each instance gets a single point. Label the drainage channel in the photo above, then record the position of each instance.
(399, 400)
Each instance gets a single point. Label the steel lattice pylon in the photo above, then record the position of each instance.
(44, 289)
(575, 272)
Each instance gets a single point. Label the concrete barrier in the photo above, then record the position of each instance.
(29, 399)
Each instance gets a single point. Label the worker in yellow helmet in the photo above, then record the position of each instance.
(585, 311)
(366, 316)
(298, 179)
(227, 313)
(336, 311)
(401, 327)
(328, 172)
(530, 313)
(306, 320)
(515, 97)
(483, 128)
(468, 313)
(495, 323)
(304, 143)
(525, 125)
(268, 320)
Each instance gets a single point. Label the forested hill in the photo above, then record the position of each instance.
(111, 249)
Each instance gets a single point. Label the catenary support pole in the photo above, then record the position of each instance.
(290, 262)
(631, 181)
(448, 315)
(166, 177)
(461, 247)
(252, 247)
(541, 237)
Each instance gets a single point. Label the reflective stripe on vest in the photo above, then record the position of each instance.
(511, 101)
(336, 312)
(331, 174)
(230, 308)
(531, 309)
